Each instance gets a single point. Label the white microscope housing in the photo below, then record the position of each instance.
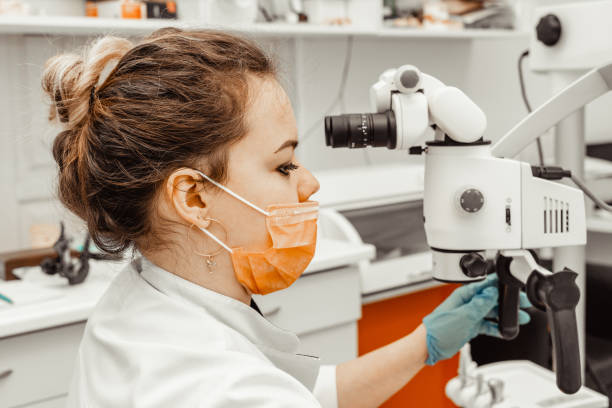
(476, 202)
(477, 199)
(473, 201)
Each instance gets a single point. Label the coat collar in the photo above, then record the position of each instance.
(278, 345)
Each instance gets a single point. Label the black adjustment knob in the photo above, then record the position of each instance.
(471, 200)
(549, 29)
(473, 265)
(417, 150)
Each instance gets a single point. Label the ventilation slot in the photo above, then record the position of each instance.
(556, 216)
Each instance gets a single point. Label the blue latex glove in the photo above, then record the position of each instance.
(464, 315)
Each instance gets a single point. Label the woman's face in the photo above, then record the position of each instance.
(262, 168)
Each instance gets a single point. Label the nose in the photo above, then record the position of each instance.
(308, 186)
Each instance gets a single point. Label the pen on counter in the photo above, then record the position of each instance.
(6, 299)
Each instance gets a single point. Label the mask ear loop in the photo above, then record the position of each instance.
(230, 192)
(210, 262)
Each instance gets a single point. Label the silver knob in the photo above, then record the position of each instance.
(497, 390)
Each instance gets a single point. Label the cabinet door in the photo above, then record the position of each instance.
(388, 320)
(41, 364)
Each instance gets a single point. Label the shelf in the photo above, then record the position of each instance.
(95, 26)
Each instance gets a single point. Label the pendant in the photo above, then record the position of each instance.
(211, 264)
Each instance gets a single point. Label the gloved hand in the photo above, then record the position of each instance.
(466, 313)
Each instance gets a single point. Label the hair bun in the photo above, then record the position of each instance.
(68, 79)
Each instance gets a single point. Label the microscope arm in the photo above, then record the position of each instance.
(584, 90)
(555, 293)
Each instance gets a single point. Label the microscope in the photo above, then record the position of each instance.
(479, 201)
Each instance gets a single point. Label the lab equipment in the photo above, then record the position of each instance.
(513, 384)
(477, 200)
(569, 40)
(465, 377)
(62, 263)
(290, 11)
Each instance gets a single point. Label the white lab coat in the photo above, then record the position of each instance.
(157, 340)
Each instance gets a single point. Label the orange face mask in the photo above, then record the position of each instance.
(293, 231)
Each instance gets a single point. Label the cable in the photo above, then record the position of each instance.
(558, 173)
(527, 104)
(522, 80)
(339, 97)
(602, 204)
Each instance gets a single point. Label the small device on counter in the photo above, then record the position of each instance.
(63, 263)
(509, 384)
(59, 259)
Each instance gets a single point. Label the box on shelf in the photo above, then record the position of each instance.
(161, 9)
(131, 9)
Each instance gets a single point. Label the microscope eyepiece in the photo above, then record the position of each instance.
(359, 130)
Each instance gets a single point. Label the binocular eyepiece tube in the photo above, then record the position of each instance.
(359, 130)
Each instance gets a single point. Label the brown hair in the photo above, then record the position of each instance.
(177, 97)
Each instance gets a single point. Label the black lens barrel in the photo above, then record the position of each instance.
(360, 130)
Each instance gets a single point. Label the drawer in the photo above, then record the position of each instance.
(315, 301)
(41, 364)
(333, 345)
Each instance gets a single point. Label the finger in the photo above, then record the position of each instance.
(524, 301)
(467, 292)
(524, 317)
(481, 304)
(490, 329)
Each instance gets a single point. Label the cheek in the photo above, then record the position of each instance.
(246, 227)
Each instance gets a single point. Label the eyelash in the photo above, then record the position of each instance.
(286, 169)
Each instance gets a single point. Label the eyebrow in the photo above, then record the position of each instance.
(289, 143)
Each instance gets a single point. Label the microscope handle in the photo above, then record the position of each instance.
(559, 295)
(509, 292)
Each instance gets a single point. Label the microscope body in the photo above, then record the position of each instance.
(475, 202)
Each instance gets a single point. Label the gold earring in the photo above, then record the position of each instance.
(210, 261)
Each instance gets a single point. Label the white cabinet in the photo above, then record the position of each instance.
(41, 365)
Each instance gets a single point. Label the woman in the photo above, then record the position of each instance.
(182, 148)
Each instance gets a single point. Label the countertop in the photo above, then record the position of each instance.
(72, 304)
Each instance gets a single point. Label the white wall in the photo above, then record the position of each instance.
(486, 69)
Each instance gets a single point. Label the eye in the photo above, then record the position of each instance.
(287, 168)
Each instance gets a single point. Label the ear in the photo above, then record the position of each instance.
(186, 194)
